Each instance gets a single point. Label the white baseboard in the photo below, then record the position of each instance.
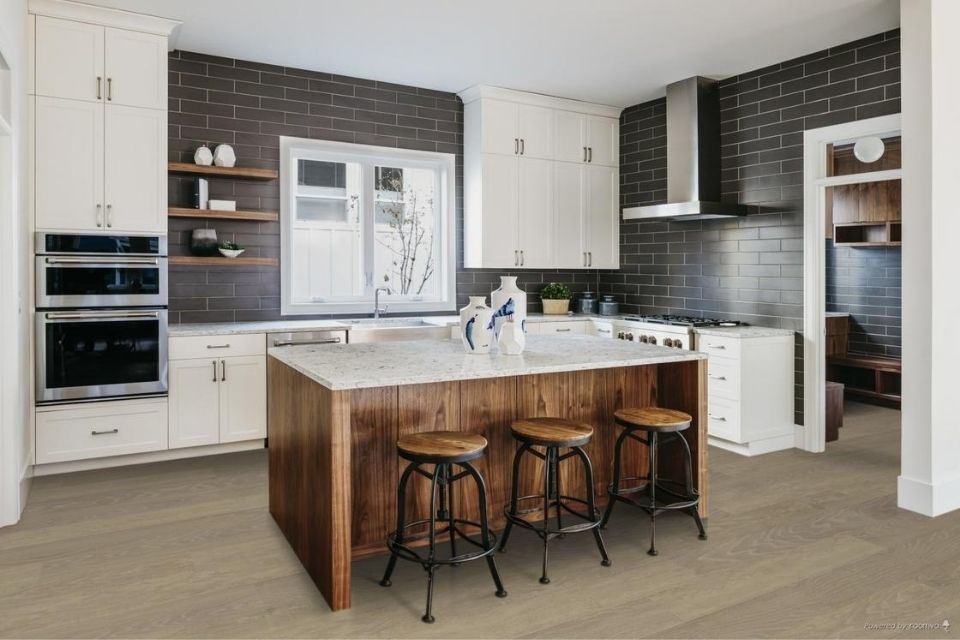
(144, 458)
(928, 499)
(755, 447)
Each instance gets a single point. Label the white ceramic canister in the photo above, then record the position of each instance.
(511, 340)
(509, 302)
(476, 325)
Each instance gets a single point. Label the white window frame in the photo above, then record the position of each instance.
(368, 156)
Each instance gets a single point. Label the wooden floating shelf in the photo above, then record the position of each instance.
(214, 261)
(262, 216)
(249, 173)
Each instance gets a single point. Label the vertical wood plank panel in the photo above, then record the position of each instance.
(373, 413)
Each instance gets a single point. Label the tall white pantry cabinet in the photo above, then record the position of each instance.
(99, 98)
(541, 181)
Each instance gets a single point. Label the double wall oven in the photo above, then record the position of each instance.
(101, 320)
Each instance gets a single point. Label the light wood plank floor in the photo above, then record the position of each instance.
(800, 545)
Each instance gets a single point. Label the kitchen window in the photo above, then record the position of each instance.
(358, 217)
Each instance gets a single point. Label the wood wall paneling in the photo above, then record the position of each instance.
(375, 464)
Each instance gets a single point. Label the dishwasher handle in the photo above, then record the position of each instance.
(290, 343)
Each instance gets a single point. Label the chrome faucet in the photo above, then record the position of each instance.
(376, 301)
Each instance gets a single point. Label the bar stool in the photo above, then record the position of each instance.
(552, 434)
(443, 449)
(657, 423)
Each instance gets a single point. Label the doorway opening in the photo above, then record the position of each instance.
(852, 282)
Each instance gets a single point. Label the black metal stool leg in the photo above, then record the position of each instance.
(485, 528)
(430, 566)
(557, 492)
(398, 535)
(547, 469)
(591, 506)
(514, 494)
(615, 484)
(447, 510)
(652, 482)
(693, 510)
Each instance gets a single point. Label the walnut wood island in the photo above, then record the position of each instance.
(335, 413)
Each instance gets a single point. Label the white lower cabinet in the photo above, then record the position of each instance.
(749, 391)
(218, 400)
(561, 328)
(99, 429)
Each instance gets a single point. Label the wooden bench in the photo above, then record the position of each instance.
(872, 379)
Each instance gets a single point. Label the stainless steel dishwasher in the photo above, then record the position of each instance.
(297, 338)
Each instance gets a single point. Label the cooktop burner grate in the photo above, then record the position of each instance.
(684, 321)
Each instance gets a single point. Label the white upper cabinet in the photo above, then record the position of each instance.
(135, 69)
(69, 59)
(135, 185)
(541, 181)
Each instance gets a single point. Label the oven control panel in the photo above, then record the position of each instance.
(646, 335)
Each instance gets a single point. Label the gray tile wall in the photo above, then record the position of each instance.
(748, 269)
(865, 282)
(249, 105)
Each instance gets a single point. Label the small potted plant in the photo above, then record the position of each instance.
(556, 298)
(230, 249)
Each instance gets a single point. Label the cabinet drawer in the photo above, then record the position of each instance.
(723, 418)
(719, 347)
(723, 377)
(562, 328)
(600, 329)
(96, 430)
(247, 344)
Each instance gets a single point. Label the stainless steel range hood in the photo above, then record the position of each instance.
(693, 157)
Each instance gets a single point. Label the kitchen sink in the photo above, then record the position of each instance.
(393, 329)
(387, 323)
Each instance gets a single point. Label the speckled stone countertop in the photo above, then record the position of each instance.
(387, 364)
(743, 332)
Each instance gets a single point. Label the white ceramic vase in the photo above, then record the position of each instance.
(511, 340)
(509, 303)
(223, 156)
(203, 156)
(476, 326)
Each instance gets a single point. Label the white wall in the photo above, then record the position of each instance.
(15, 441)
(929, 481)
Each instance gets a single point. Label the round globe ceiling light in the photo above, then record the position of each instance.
(868, 149)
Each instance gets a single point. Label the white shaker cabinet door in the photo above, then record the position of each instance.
(69, 60)
(535, 130)
(535, 213)
(601, 218)
(498, 127)
(135, 197)
(500, 196)
(135, 72)
(568, 198)
(602, 134)
(243, 398)
(69, 165)
(569, 142)
(194, 403)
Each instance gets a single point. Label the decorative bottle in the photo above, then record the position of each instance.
(511, 340)
(476, 326)
(509, 303)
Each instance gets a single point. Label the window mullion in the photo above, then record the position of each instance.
(367, 217)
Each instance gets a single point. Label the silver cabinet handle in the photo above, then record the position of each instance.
(291, 343)
(100, 315)
(103, 433)
(516, 146)
(718, 377)
(223, 371)
(563, 330)
(584, 154)
(99, 85)
(589, 258)
(99, 215)
(109, 215)
(584, 258)
(603, 330)
(516, 258)
(717, 418)
(112, 262)
(522, 146)
(218, 346)
(522, 259)
(589, 154)
(214, 362)
(109, 88)
(716, 346)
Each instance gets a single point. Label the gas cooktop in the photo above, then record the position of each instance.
(684, 321)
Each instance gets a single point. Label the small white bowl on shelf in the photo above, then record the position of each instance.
(230, 253)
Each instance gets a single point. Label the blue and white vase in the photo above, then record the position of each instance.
(511, 339)
(509, 303)
(476, 325)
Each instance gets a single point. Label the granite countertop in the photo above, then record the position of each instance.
(743, 332)
(836, 314)
(386, 364)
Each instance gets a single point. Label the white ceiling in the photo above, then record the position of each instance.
(617, 52)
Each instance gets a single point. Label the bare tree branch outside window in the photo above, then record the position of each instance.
(410, 218)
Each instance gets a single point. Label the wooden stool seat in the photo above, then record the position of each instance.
(653, 419)
(552, 432)
(442, 446)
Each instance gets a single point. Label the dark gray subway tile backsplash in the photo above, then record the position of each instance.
(249, 105)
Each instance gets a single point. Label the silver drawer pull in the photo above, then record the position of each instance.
(603, 330)
(718, 377)
(218, 346)
(289, 343)
(718, 418)
(102, 433)
(562, 330)
(717, 346)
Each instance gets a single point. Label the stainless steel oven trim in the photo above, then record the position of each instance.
(91, 392)
(40, 244)
(44, 301)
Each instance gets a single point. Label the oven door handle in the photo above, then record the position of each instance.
(107, 261)
(80, 315)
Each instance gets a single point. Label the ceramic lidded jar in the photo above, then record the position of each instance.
(509, 303)
(511, 340)
(223, 156)
(203, 156)
(476, 326)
